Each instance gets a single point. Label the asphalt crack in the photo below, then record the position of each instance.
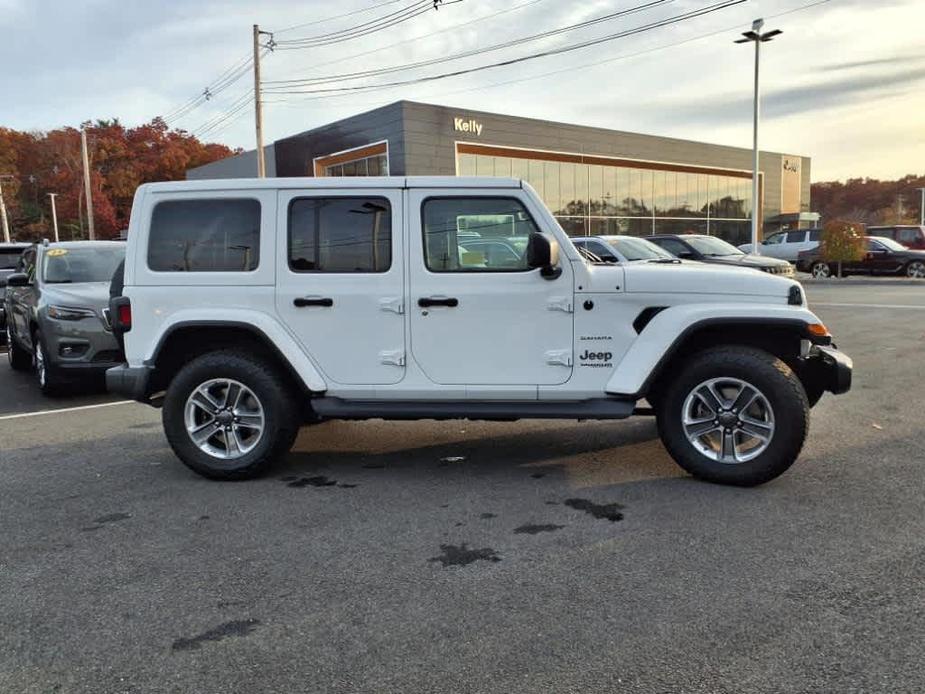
(236, 628)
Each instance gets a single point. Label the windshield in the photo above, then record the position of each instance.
(637, 249)
(9, 258)
(76, 265)
(889, 243)
(712, 246)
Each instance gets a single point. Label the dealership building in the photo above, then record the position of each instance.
(595, 181)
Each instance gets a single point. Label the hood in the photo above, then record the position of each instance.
(93, 295)
(702, 278)
(747, 260)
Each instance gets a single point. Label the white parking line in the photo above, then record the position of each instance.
(64, 409)
(825, 303)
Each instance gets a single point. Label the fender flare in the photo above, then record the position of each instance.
(264, 328)
(667, 331)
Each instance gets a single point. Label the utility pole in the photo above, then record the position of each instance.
(87, 189)
(922, 207)
(3, 220)
(54, 215)
(757, 38)
(900, 212)
(258, 105)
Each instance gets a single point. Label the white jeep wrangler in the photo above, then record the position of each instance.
(252, 307)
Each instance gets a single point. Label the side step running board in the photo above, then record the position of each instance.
(598, 408)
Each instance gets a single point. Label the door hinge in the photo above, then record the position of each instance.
(395, 357)
(560, 303)
(393, 304)
(559, 357)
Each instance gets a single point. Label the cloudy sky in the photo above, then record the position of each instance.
(844, 84)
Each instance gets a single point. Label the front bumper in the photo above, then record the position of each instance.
(129, 381)
(836, 368)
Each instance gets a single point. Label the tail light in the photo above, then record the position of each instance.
(120, 309)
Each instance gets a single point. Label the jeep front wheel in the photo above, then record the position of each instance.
(229, 415)
(734, 415)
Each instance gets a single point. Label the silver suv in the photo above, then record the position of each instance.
(57, 311)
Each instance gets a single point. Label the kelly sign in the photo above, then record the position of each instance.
(467, 125)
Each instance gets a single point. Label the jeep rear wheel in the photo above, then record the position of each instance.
(229, 416)
(734, 415)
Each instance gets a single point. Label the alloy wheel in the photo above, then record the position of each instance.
(822, 270)
(9, 345)
(224, 418)
(728, 420)
(40, 370)
(916, 269)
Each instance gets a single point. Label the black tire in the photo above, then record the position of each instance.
(45, 375)
(20, 359)
(777, 383)
(280, 411)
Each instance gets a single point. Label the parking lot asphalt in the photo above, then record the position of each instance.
(475, 557)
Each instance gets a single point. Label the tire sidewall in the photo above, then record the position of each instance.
(778, 384)
(279, 422)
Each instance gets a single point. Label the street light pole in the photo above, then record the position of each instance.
(922, 207)
(4, 222)
(757, 38)
(54, 215)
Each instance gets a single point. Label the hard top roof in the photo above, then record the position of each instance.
(331, 182)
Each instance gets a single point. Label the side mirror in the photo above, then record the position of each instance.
(543, 253)
(17, 279)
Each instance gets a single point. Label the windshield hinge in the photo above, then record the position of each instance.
(393, 357)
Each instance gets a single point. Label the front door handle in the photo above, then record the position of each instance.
(302, 301)
(426, 301)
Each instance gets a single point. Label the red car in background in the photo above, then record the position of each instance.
(908, 235)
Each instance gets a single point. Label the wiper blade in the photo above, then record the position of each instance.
(665, 260)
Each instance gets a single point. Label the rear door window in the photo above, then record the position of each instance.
(796, 236)
(205, 235)
(910, 235)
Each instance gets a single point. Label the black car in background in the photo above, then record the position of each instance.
(710, 249)
(10, 254)
(882, 256)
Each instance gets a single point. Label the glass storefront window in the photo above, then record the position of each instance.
(567, 188)
(535, 177)
(595, 190)
(465, 164)
(552, 198)
(484, 166)
(609, 190)
(581, 189)
(574, 226)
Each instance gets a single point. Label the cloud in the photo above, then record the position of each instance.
(873, 62)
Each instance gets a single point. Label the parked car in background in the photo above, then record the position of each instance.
(10, 256)
(787, 245)
(619, 249)
(58, 311)
(883, 256)
(710, 249)
(908, 235)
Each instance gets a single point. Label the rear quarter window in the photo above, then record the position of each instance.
(205, 235)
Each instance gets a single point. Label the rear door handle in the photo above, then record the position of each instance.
(426, 301)
(302, 301)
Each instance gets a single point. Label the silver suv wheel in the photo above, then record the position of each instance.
(40, 370)
(916, 269)
(728, 420)
(224, 418)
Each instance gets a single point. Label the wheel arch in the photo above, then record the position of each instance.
(780, 336)
(184, 340)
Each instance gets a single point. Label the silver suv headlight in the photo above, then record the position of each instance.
(70, 313)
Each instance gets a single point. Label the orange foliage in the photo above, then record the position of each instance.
(34, 164)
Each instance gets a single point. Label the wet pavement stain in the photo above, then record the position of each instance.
(319, 481)
(536, 529)
(240, 627)
(538, 475)
(489, 515)
(609, 512)
(374, 466)
(552, 503)
(461, 555)
(202, 518)
(347, 486)
(112, 518)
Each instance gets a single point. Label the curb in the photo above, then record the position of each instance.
(860, 282)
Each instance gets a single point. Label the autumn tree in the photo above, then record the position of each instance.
(35, 164)
(842, 242)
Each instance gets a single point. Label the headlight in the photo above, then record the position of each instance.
(69, 313)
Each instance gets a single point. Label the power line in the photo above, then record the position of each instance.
(513, 61)
(412, 39)
(379, 24)
(339, 16)
(470, 53)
